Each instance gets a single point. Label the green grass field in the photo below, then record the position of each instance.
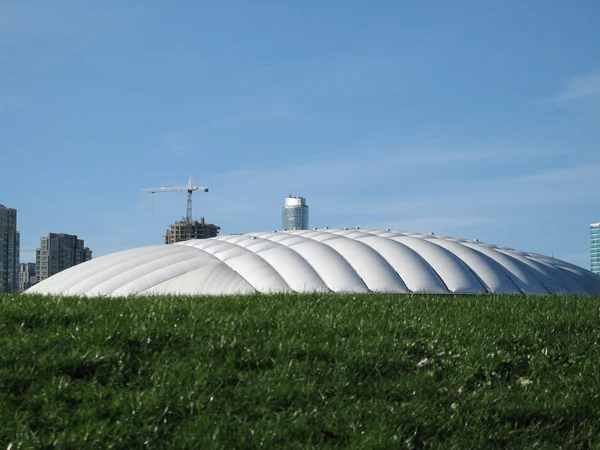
(291, 371)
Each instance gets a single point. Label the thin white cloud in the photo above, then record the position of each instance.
(184, 140)
(358, 170)
(441, 225)
(580, 87)
(341, 189)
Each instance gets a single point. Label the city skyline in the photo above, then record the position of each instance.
(467, 120)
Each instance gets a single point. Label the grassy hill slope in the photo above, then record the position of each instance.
(300, 371)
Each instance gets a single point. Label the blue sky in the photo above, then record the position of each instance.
(468, 119)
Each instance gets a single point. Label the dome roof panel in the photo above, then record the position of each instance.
(334, 270)
(413, 270)
(554, 280)
(63, 281)
(520, 273)
(150, 275)
(453, 271)
(258, 273)
(294, 269)
(370, 266)
(214, 279)
(590, 283)
(146, 273)
(493, 276)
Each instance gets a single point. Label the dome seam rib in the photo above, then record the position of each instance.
(106, 265)
(541, 260)
(341, 236)
(153, 271)
(487, 259)
(297, 235)
(528, 268)
(302, 257)
(252, 253)
(164, 255)
(166, 280)
(416, 254)
(520, 264)
(185, 273)
(424, 260)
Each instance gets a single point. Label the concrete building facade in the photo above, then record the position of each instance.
(595, 247)
(57, 252)
(26, 276)
(295, 214)
(9, 250)
(183, 231)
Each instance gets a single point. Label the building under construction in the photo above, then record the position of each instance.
(184, 230)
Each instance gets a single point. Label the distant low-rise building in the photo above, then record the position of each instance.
(26, 276)
(183, 231)
(57, 252)
(9, 250)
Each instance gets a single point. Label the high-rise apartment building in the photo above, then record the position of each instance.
(295, 214)
(9, 250)
(595, 248)
(57, 252)
(26, 276)
(182, 231)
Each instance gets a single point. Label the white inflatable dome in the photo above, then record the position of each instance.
(325, 260)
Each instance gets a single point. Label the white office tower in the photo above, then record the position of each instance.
(295, 214)
(595, 248)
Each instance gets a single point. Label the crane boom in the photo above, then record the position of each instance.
(162, 189)
(190, 188)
